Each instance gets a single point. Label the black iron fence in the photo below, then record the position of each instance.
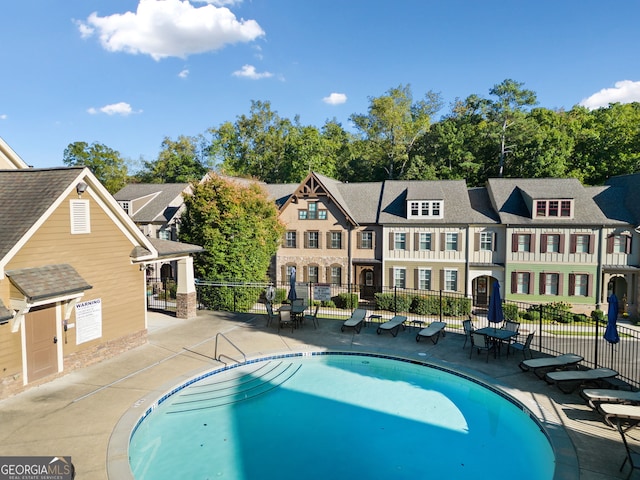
(557, 329)
(161, 294)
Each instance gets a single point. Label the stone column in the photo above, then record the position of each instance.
(186, 301)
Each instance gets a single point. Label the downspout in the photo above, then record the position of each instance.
(599, 269)
(349, 256)
(466, 265)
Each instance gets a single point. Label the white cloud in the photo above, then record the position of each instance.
(249, 71)
(120, 108)
(335, 99)
(184, 73)
(625, 91)
(3, 116)
(170, 28)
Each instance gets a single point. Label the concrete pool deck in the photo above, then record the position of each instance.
(88, 412)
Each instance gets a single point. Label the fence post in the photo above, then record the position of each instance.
(395, 299)
(595, 346)
(441, 305)
(541, 308)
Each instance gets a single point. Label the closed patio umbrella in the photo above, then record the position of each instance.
(495, 314)
(292, 285)
(611, 333)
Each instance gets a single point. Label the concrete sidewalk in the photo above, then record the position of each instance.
(77, 414)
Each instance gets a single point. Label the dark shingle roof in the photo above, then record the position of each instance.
(453, 193)
(48, 281)
(161, 195)
(168, 248)
(5, 313)
(508, 199)
(25, 195)
(622, 194)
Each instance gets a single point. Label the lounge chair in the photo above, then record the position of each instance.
(541, 366)
(632, 457)
(568, 381)
(596, 396)
(270, 315)
(392, 325)
(433, 332)
(355, 321)
(629, 414)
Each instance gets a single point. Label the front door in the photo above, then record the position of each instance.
(42, 351)
(481, 297)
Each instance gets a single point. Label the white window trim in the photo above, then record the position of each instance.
(420, 270)
(399, 269)
(431, 204)
(446, 272)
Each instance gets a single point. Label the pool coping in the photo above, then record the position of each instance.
(117, 461)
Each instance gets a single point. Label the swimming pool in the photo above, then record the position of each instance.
(330, 415)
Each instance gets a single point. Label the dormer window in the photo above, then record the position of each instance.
(125, 206)
(554, 208)
(424, 208)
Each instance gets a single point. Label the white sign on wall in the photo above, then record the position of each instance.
(88, 320)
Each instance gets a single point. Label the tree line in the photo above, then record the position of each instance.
(503, 134)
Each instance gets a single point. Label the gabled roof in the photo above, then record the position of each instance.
(456, 204)
(507, 197)
(9, 158)
(29, 196)
(160, 199)
(25, 196)
(621, 197)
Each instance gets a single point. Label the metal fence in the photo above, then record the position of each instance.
(557, 329)
(161, 294)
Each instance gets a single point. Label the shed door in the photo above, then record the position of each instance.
(42, 351)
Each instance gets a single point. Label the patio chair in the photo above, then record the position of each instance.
(568, 381)
(540, 366)
(523, 347)
(468, 328)
(433, 332)
(595, 396)
(392, 325)
(481, 342)
(355, 321)
(286, 320)
(270, 314)
(313, 317)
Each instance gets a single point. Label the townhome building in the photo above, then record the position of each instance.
(332, 236)
(541, 240)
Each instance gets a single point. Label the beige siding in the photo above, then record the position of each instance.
(102, 259)
(412, 251)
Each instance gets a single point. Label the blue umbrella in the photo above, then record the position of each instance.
(495, 314)
(611, 333)
(292, 284)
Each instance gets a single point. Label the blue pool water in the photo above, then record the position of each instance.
(335, 416)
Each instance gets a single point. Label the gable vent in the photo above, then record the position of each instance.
(80, 217)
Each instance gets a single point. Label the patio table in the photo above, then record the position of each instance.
(498, 335)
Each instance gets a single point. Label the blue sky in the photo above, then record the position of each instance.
(128, 73)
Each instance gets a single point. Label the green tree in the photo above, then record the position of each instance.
(507, 112)
(105, 163)
(393, 126)
(265, 146)
(238, 227)
(179, 161)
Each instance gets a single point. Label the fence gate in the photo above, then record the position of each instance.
(161, 294)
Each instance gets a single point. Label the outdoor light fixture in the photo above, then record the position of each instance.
(81, 187)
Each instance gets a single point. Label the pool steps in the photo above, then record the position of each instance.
(234, 388)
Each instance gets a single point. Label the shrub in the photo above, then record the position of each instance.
(580, 317)
(456, 307)
(510, 312)
(393, 303)
(597, 316)
(346, 300)
(532, 315)
(425, 305)
(328, 304)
